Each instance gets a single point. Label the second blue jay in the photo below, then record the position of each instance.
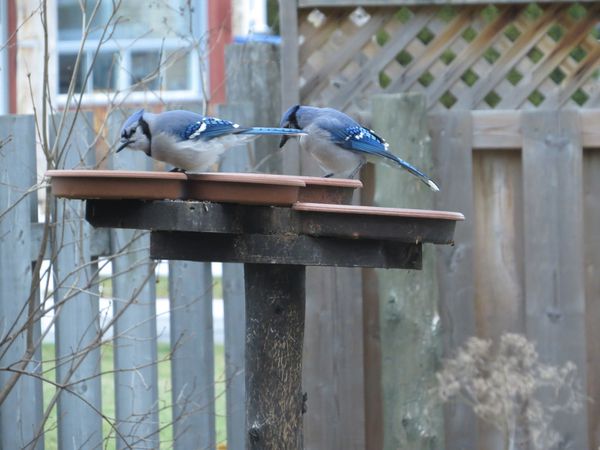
(187, 140)
(341, 145)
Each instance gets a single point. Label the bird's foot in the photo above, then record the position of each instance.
(177, 169)
(329, 175)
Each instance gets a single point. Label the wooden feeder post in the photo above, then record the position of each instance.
(275, 243)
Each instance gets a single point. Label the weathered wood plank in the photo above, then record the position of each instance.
(300, 250)
(275, 305)
(99, 241)
(234, 308)
(553, 245)
(289, 83)
(471, 53)
(344, 96)
(262, 71)
(332, 373)
(498, 250)
(432, 52)
(78, 331)
(523, 44)
(192, 359)
(238, 219)
(356, 3)
(591, 209)
(134, 307)
(502, 129)
(451, 142)
(21, 410)
(551, 59)
(408, 317)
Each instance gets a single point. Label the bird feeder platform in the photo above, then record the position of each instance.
(276, 226)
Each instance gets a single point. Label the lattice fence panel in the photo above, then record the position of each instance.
(509, 56)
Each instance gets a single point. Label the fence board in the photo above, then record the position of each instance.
(591, 208)
(407, 299)
(20, 412)
(554, 280)
(357, 3)
(192, 359)
(332, 374)
(451, 140)
(234, 299)
(76, 299)
(135, 352)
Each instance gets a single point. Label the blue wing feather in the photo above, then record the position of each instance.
(359, 139)
(209, 128)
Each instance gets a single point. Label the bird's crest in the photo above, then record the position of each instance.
(135, 117)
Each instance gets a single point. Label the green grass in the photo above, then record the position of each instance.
(162, 287)
(164, 394)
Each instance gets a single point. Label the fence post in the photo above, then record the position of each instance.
(20, 412)
(253, 76)
(76, 302)
(134, 306)
(554, 273)
(453, 151)
(408, 317)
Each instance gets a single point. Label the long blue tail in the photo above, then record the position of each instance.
(412, 169)
(273, 131)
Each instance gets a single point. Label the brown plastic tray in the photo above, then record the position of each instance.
(117, 184)
(244, 188)
(328, 190)
(378, 211)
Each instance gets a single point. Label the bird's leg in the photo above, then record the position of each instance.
(328, 175)
(355, 171)
(177, 169)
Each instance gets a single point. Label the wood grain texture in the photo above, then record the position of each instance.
(134, 307)
(21, 411)
(408, 317)
(78, 320)
(234, 307)
(284, 250)
(498, 250)
(192, 360)
(451, 141)
(591, 209)
(356, 3)
(553, 244)
(275, 308)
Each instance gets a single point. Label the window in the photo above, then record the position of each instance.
(131, 51)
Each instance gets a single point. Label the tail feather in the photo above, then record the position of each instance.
(273, 131)
(413, 170)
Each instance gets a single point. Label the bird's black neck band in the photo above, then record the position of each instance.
(146, 131)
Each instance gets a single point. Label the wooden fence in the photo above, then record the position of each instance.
(508, 96)
(525, 260)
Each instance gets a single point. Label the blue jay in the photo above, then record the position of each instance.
(339, 144)
(187, 140)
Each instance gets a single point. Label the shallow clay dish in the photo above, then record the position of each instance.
(328, 190)
(244, 188)
(117, 184)
(379, 211)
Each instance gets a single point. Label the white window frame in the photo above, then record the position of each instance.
(125, 47)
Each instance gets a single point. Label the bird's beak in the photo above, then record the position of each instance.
(123, 145)
(283, 140)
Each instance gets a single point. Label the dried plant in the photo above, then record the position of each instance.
(508, 387)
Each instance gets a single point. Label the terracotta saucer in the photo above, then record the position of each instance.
(243, 188)
(117, 184)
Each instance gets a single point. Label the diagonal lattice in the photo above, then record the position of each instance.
(462, 57)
